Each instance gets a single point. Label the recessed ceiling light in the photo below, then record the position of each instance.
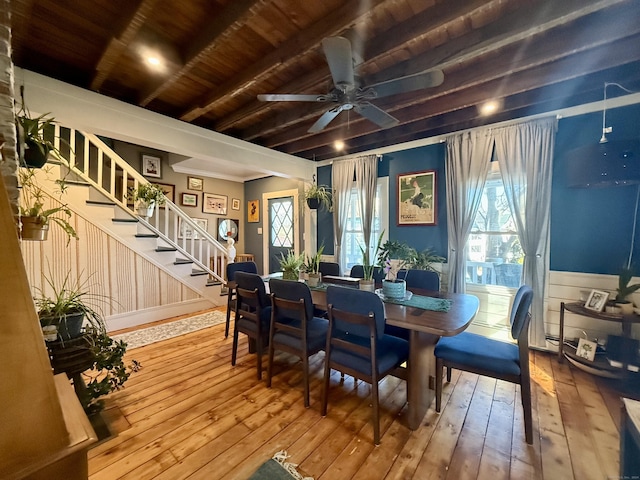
(338, 145)
(489, 108)
(154, 61)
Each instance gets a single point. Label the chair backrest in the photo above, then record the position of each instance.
(360, 302)
(250, 282)
(330, 268)
(232, 268)
(357, 271)
(294, 291)
(423, 279)
(520, 315)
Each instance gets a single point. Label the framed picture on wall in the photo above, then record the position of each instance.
(212, 203)
(195, 183)
(168, 190)
(185, 231)
(189, 200)
(417, 198)
(151, 166)
(253, 211)
(235, 204)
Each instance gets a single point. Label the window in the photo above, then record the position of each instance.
(494, 254)
(353, 236)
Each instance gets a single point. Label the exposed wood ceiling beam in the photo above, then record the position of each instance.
(599, 59)
(306, 40)
(232, 18)
(117, 45)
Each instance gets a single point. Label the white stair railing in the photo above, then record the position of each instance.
(96, 163)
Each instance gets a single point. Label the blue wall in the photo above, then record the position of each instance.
(590, 227)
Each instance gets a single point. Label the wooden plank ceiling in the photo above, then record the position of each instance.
(531, 55)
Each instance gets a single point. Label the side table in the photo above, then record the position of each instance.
(72, 357)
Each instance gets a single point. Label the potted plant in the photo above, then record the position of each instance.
(35, 137)
(423, 260)
(35, 218)
(291, 264)
(368, 266)
(624, 290)
(147, 196)
(312, 267)
(319, 196)
(67, 306)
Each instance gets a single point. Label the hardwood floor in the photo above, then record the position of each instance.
(189, 414)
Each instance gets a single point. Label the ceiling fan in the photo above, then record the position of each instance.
(348, 93)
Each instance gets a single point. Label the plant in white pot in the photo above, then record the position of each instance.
(624, 290)
(368, 266)
(312, 267)
(147, 196)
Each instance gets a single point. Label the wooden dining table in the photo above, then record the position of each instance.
(425, 328)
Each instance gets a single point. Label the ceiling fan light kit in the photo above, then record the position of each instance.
(349, 94)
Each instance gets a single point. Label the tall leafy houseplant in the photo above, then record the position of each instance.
(312, 267)
(147, 196)
(369, 265)
(624, 290)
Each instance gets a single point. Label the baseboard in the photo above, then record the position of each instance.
(154, 314)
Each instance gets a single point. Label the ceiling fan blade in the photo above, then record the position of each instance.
(338, 53)
(432, 78)
(284, 97)
(376, 115)
(324, 120)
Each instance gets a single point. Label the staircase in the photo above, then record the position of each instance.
(98, 181)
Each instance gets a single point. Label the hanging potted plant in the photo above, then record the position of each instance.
(312, 267)
(291, 264)
(35, 137)
(35, 218)
(147, 196)
(319, 196)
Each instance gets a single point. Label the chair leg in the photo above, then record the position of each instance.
(448, 374)
(229, 307)
(376, 412)
(270, 360)
(259, 355)
(525, 392)
(439, 372)
(305, 378)
(234, 350)
(325, 385)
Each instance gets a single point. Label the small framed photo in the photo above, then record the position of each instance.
(417, 198)
(253, 211)
(235, 204)
(151, 166)
(586, 349)
(596, 300)
(185, 231)
(195, 183)
(189, 200)
(216, 204)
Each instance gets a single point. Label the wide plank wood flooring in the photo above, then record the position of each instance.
(188, 414)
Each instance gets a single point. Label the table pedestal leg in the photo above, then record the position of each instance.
(421, 382)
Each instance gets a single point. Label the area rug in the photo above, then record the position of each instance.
(145, 336)
(277, 468)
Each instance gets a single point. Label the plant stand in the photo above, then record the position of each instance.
(72, 357)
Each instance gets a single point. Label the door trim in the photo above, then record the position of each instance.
(265, 215)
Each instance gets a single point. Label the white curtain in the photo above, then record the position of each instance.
(341, 181)
(366, 183)
(525, 154)
(467, 166)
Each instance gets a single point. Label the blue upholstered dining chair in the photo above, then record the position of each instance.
(357, 271)
(253, 314)
(294, 329)
(357, 345)
(330, 268)
(493, 358)
(423, 279)
(232, 268)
